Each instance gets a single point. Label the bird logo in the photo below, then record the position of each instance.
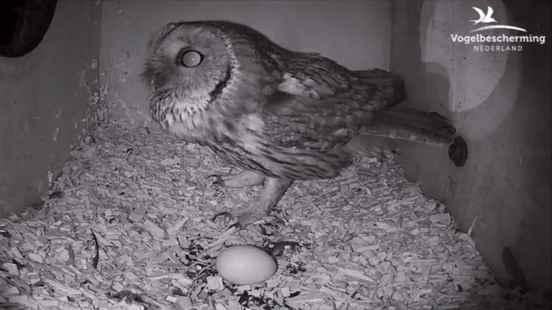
(485, 18)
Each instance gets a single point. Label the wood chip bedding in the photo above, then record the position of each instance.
(127, 225)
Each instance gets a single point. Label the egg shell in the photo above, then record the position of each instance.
(245, 264)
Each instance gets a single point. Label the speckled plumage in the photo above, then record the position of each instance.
(255, 113)
(283, 114)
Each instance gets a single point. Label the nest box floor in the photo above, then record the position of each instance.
(127, 225)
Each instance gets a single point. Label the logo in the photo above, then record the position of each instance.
(487, 18)
(508, 41)
(484, 18)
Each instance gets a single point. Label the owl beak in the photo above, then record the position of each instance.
(171, 26)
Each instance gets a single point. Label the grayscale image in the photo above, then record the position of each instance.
(275, 154)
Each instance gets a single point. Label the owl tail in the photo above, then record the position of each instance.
(401, 123)
(418, 126)
(411, 125)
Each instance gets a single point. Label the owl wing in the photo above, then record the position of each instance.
(306, 123)
(319, 104)
(314, 76)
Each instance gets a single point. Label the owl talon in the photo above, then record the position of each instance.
(223, 217)
(228, 220)
(238, 221)
(218, 181)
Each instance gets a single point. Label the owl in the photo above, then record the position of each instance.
(278, 114)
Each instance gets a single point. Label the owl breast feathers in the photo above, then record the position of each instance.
(282, 113)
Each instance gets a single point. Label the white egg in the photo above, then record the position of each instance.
(245, 264)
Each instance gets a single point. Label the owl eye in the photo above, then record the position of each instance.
(189, 58)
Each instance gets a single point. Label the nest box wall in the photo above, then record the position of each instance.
(500, 102)
(48, 72)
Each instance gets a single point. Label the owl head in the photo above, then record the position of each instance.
(199, 62)
(187, 58)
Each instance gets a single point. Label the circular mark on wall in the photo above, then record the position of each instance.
(483, 85)
(23, 24)
(473, 75)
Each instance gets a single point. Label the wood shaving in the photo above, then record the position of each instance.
(127, 225)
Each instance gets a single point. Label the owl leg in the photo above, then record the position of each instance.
(272, 192)
(243, 179)
(274, 189)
